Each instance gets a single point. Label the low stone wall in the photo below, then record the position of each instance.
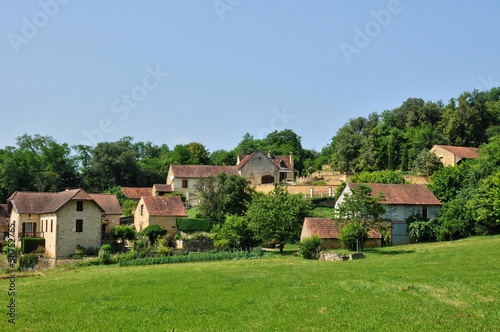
(317, 191)
(334, 257)
(197, 245)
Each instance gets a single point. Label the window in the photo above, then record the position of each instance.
(51, 224)
(424, 211)
(79, 206)
(79, 225)
(184, 183)
(47, 225)
(142, 209)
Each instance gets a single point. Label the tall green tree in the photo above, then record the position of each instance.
(278, 216)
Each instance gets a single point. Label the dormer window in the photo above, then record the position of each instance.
(79, 206)
(282, 163)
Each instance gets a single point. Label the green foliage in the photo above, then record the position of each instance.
(446, 183)
(223, 195)
(194, 224)
(117, 191)
(31, 244)
(385, 176)
(278, 215)
(234, 233)
(350, 234)
(129, 207)
(28, 262)
(164, 251)
(152, 231)
(423, 229)
(426, 163)
(310, 247)
(122, 232)
(106, 247)
(362, 212)
(486, 206)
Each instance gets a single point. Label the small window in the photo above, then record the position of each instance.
(51, 225)
(79, 225)
(142, 209)
(424, 212)
(184, 183)
(47, 225)
(79, 206)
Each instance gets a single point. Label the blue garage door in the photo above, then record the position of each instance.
(400, 234)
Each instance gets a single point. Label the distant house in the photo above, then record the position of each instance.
(259, 168)
(401, 201)
(183, 178)
(453, 155)
(65, 219)
(135, 193)
(4, 222)
(160, 210)
(328, 230)
(112, 210)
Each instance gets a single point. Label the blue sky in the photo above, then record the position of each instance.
(210, 71)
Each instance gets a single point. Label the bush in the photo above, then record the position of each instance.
(423, 229)
(106, 247)
(105, 257)
(28, 262)
(123, 233)
(152, 231)
(310, 247)
(194, 224)
(91, 251)
(31, 244)
(164, 251)
(349, 236)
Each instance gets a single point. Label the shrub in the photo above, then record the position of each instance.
(164, 251)
(349, 236)
(28, 262)
(30, 244)
(177, 237)
(310, 247)
(105, 257)
(91, 251)
(423, 229)
(152, 231)
(39, 250)
(194, 224)
(201, 236)
(106, 247)
(79, 252)
(123, 233)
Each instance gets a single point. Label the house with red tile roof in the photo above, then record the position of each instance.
(259, 168)
(183, 178)
(328, 230)
(65, 219)
(454, 155)
(160, 210)
(135, 193)
(401, 201)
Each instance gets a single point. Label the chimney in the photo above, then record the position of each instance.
(269, 154)
(291, 160)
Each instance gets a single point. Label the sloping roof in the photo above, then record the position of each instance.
(4, 215)
(460, 151)
(136, 192)
(398, 194)
(33, 202)
(327, 228)
(108, 202)
(282, 162)
(164, 206)
(162, 187)
(201, 171)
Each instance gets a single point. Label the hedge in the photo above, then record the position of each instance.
(31, 244)
(194, 224)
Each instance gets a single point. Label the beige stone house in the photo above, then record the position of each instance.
(401, 201)
(454, 155)
(65, 219)
(183, 178)
(259, 168)
(160, 210)
(135, 193)
(328, 230)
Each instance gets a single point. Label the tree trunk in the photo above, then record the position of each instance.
(282, 246)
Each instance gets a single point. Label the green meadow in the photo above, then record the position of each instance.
(424, 287)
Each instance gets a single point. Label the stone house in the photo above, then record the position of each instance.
(65, 219)
(160, 210)
(135, 193)
(328, 230)
(454, 155)
(112, 210)
(183, 178)
(259, 168)
(401, 201)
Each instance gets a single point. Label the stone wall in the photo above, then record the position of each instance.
(196, 245)
(303, 190)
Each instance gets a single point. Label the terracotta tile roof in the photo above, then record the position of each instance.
(327, 228)
(165, 206)
(461, 151)
(162, 188)
(398, 194)
(201, 171)
(33, 202)
(136, 192)
(108, 202)
(282, 162)
(4, 215)
(244, 158)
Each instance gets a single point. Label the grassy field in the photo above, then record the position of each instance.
(439, 286)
